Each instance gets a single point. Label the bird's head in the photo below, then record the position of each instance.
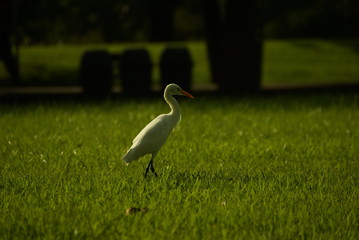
(174, 89)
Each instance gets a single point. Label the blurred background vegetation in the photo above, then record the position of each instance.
(109, 21)
(52, 35)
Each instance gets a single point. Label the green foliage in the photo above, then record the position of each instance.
(283, 167)
(43, 21)
(308, 18)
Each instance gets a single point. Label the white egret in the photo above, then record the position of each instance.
(154, 135)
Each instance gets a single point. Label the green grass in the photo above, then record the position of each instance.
(281, 167)
(296, 61)
(311, 61)
(59, 65)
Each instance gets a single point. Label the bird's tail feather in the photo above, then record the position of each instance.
(129, 156)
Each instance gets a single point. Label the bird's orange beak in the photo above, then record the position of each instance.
(186, 93)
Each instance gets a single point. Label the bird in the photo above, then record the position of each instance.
(154, 135)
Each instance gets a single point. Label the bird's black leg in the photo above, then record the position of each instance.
(153, 169)
(148, 167)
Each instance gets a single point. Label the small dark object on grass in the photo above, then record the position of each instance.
(134, 210)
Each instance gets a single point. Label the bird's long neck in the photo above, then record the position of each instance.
(175, 109)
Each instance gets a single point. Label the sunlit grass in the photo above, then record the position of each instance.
(282, 167)
(305, 61)
(59, 65)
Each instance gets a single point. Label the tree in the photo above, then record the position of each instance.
(161, 20)
(212, 19)
(7, 29)
(235, 44)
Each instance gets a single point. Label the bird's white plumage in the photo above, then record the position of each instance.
(154, 135)
(151, 138)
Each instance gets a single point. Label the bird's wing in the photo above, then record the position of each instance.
(158, 129)
(151, 138)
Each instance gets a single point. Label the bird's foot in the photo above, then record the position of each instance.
(145, 174)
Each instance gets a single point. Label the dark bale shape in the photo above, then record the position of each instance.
(96, 73)
(136, 71)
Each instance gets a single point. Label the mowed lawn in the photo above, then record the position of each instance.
(275, 167)
(285, 62)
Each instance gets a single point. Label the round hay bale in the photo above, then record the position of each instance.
(96, 73)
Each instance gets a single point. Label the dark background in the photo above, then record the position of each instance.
(234, 30)
(84, 21)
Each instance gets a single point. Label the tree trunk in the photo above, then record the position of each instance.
(242, 47)
(161, 26)
(212, 20)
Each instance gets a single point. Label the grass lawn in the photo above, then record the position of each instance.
(310, 61)
(280, 167)
(295, 61)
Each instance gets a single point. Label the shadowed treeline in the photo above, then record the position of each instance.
(42, 21)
